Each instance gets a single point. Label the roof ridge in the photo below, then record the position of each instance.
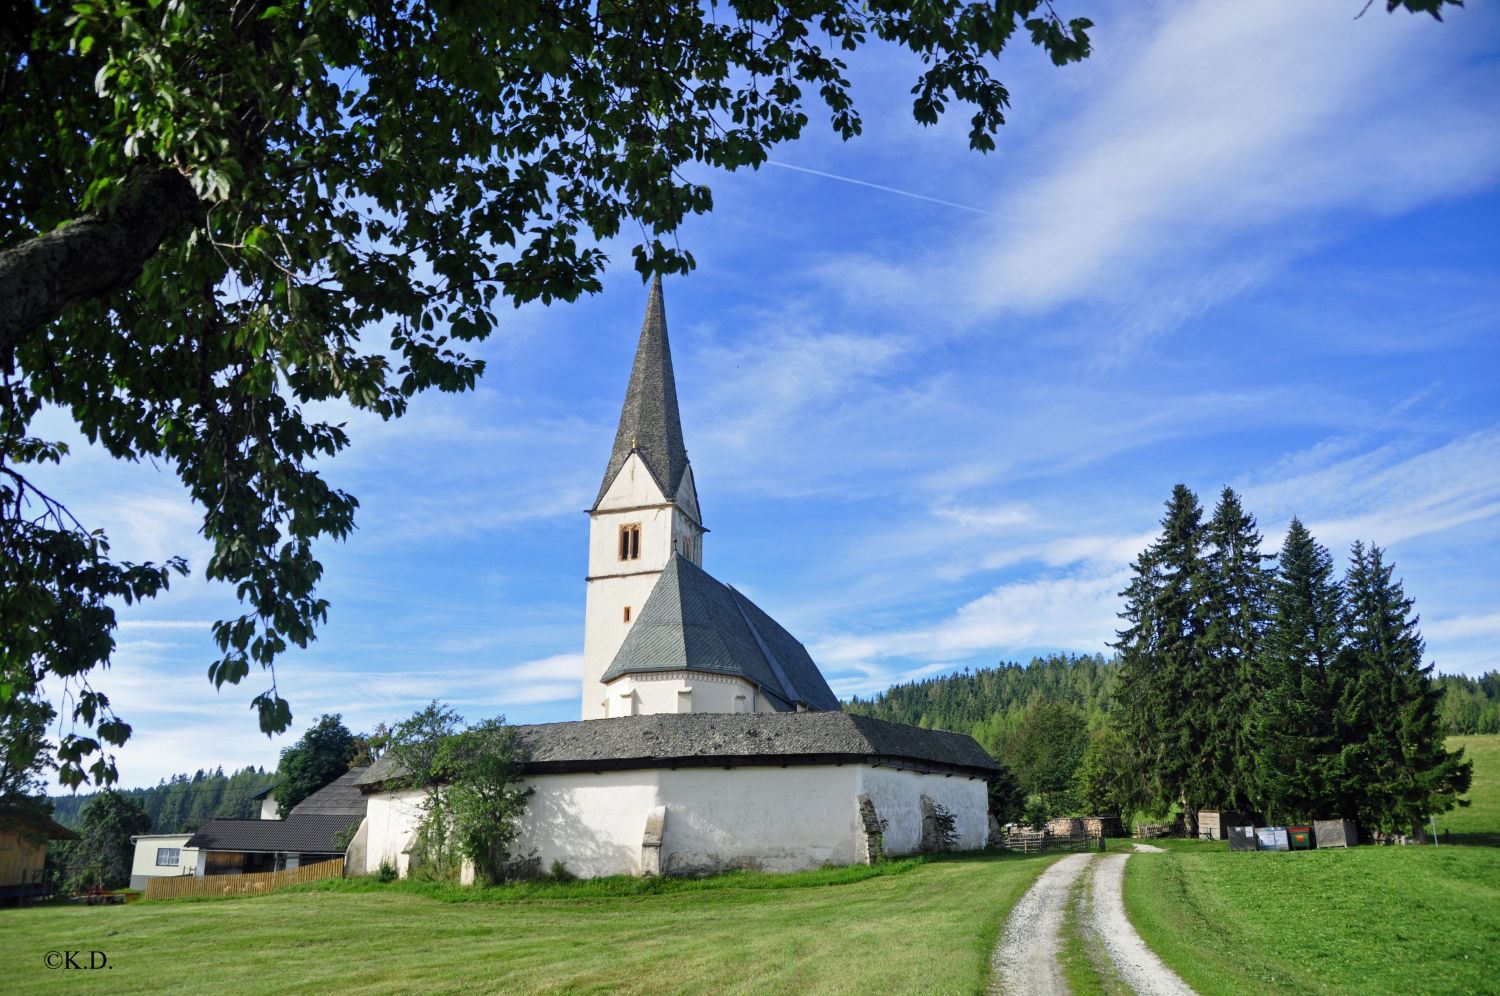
(787, 688)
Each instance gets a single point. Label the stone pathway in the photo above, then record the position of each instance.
(1026, 959)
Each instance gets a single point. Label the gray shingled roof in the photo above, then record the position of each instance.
(693, 622)
(649, 423)
(719, 739)
(339, 797)
(295, 834)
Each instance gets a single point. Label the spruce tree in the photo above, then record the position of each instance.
(1392, 769)
(1236, 612)
(1161, 668)
(1293, 722)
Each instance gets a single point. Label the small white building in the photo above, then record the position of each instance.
(161, 855)
(709, 740)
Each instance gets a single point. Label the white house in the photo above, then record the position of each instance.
(709, 737)
(159, 855)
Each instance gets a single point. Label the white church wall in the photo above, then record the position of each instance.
(897, 797)
(770, 818)
(604, 629)
(687, 691)
(593, 823)
(390, 818)
(632, 487)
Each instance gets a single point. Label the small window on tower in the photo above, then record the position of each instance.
(627, 613)
(630, 542)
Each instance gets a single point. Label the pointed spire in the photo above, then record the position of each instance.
(649, 423)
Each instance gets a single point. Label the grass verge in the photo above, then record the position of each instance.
(1086, 965)
(919, 926)
(1366, 920)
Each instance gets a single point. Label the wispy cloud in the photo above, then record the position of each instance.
(1231, 120)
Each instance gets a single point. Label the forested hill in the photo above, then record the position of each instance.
(991, 702)
(185, 802)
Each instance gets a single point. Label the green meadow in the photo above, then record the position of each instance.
(1364, 920)
(909, 926)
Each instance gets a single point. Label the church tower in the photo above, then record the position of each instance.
(646, 513)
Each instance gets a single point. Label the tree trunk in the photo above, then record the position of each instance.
(95, 255)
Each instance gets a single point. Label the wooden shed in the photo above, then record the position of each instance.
(23, 859)
(1214, 824)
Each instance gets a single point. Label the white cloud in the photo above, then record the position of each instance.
(1229, 121)
(1387, 494)
(1464, 627)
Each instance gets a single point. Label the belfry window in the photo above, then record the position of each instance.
(630, 542)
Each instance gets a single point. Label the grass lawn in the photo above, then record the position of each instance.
(1366, 920)
(908, 927)
(1479, 822)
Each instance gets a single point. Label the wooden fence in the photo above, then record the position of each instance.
(1036, 841)
(180, 886)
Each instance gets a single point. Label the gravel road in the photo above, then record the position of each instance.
(1026, 959)
(1136, 964)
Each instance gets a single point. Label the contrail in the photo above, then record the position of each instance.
(876, 186)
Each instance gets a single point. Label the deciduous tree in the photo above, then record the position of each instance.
(216, 212)
(103, 853)
(322, 754)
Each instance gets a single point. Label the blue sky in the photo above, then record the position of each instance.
(1244, 244)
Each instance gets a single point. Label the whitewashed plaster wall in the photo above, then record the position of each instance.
(390, 819)
(650, 693)
(269, 810)
(614, 584)
(897, 797)
(772, 818)
(593, 823)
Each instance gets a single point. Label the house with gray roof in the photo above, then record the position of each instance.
(709, 739)
(322, 826)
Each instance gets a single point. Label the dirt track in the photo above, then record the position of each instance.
(1026, 959)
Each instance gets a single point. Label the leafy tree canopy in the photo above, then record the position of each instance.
(324, 752)
(103, 853)
(215, 212)
(472, 791)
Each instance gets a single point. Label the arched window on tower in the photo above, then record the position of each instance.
(630, 542)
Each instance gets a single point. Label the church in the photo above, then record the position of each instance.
(709, 739)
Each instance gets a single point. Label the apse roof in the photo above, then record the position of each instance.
(693, 622)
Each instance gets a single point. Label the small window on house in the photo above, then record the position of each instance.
(168, 856)
(627, 613)
(630, 542)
